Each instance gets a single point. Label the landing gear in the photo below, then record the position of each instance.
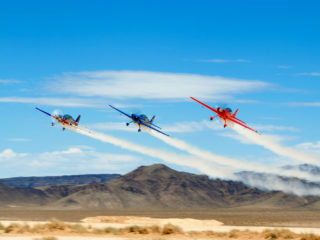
(127, 124)
(52, 124)
(63, 129)
(139, 130)
(225, 125)
(211, 118)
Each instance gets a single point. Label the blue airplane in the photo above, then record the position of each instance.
(141, 120)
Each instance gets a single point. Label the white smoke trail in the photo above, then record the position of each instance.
(230, 162)
(268, 143)
(204, 166)
(208, 155)
(274, 182)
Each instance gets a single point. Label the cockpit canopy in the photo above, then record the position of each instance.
(229, 110)
(143, 116)
(67, 116)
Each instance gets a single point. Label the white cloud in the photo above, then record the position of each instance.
(219, 60)
(152, 85)
(270, 128)
(9, 81)
(20, 140)
(304, 104)
(314, 74)
(309, 145)
(59, 102)
(73, 160)
(7, 154)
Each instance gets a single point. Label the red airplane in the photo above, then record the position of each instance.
(226, 114)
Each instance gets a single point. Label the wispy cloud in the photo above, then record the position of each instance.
(9, 81)
(314, 74)
(219, 60)
(59, 102)
(304, 104)
(73, 160)
(20, 140)
(271, 128)
(152, 85)
(312, 147)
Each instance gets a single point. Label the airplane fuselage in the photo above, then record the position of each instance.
(138, 119)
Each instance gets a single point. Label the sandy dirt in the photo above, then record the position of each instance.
(186, 224)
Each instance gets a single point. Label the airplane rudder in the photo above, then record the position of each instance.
(78, 119)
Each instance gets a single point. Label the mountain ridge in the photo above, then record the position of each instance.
(154, 187)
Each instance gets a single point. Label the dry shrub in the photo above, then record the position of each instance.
(78, 228)
(97, 231)
(1, 227)
(55, 224)
(309, 237)
(279, 234)
(137, 229)
(111, 230)
(155, 229)
(23, 228)
(46, 238)
(11, 228)
(287, 234)
(171, 229)
(271, 235)
(233, 233)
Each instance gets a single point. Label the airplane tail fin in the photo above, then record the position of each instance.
(152, 119)
(78, 119)
(235, 113)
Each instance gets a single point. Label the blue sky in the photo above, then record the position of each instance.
(146, 56)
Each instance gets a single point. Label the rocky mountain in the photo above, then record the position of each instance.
(156, 187)
(15, 196)
(31, 182)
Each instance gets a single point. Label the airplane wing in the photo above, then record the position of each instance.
(155, 126)
(121, 111)
(154, 129)
(212, 109)
(46, 113)
(243, 125)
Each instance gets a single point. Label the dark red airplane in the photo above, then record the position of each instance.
(226, 114)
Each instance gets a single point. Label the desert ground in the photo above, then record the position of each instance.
(235, 223)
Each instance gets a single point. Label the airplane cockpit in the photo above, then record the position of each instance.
(67, 116)
(143, 117)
